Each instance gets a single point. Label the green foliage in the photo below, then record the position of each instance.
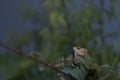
(63, 30)
(87, 69)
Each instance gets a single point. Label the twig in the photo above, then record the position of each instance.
(34, 59)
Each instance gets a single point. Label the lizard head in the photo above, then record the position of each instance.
(78, 51)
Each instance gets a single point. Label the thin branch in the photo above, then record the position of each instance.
(10, 49)
(34, 59)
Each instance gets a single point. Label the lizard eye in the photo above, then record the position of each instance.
(78, 47)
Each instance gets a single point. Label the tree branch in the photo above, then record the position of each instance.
(34, 59)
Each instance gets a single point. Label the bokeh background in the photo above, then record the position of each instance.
(51, 28)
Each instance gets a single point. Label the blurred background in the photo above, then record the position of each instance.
(50, 28)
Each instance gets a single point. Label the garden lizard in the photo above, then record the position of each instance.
(88, 62)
